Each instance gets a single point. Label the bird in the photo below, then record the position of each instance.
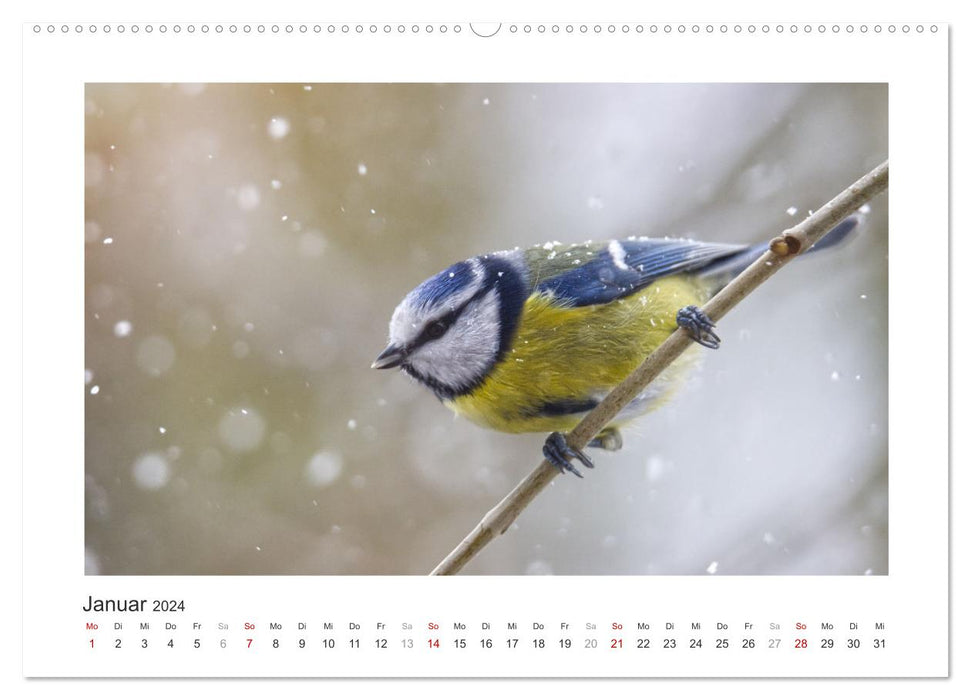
(531, 339)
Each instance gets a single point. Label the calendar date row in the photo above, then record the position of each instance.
(433, 643)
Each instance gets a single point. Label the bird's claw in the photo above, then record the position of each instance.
(561, 455)
(699, 326)
(609, 439)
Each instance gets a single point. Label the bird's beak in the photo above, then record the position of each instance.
(391, 356)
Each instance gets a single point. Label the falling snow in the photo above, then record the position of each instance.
(248, 197)
(240, 349)
(242, 429)
(92, 232)
(151, 471)
(539, 568)
(155, 355)
(324, 468)
(278, 128)
(654, 469)
(311, 244)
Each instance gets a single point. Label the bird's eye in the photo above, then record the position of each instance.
(436, 330)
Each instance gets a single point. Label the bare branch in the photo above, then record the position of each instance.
(781, 250)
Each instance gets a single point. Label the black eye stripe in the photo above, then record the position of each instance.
(443, 323)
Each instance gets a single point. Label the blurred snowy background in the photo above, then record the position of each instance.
(246, 244)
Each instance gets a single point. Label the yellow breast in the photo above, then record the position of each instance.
(575, 354)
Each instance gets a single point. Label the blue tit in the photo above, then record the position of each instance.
(529, 340)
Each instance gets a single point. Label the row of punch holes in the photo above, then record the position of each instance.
(483, 30)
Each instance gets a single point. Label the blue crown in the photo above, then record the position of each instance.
(435, 290)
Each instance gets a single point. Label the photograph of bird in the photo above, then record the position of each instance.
(529, 340)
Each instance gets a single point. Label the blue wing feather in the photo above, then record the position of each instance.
(621, 268)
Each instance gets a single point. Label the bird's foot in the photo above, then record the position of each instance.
(609, 439)
(699, 326)
(561, 455)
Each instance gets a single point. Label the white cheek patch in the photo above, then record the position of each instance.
(467, 351)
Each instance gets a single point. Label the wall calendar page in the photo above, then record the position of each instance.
(446, 349)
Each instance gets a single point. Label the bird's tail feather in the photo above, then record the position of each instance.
(731, 266)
